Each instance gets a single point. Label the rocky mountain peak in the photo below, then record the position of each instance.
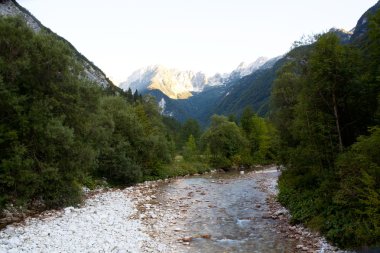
(12, 8)
(177, 84)
(245, 69)
(344, 35)
(174, 83)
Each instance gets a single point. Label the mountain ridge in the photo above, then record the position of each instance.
(92, 72)
(252, 90)
(178, 84)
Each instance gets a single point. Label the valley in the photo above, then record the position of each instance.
(277, 155)
(224, 94)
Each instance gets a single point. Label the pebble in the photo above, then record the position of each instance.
(102, 225)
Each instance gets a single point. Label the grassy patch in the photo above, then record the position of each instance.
(180, 167)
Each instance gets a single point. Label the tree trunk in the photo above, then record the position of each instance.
(337, 122)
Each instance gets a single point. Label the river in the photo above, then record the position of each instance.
(215, 212)
(224, 212)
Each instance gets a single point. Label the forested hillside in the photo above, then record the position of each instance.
(92, 72)
(59, 131)
(325, 107)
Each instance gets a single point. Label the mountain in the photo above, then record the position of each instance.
(92, 72)
(245, 69)
(254, 90)
(360, 32)
(249, 91)
(344, 36)
(172, 82)
(249, 85)
(200, 106)
(223, 98)
(178, 84)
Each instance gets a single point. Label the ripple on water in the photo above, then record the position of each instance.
(230, 208)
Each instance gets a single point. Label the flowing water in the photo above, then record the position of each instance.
(230, 209)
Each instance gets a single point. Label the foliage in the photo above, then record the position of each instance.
(181, 167)
(322, 101)
(190, 150)
(42, 140)
(59, 130)
(225, 141)
(359, 193)
(261, 137)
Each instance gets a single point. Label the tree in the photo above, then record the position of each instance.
(136, 96)
(44, 122)
(225, 142)
(246, 120)
(190, 149)
(259, 135)
(190, 127)
(359, 194)
(233, 118)
(333, 77)
(322, 101)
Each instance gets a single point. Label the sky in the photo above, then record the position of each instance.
(121, 36)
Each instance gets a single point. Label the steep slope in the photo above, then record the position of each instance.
(360, 32)
(344, 36)
(250, 91)
(254, 90)
(245, 69)
(200, 106)
(93, 73)
(237, 92)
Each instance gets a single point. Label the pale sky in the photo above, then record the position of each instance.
(120, 36)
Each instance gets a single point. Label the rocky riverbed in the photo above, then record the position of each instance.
(208, 213)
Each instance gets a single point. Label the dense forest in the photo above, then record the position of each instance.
(60, 132)
(325, 107)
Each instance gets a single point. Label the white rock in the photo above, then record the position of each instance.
(68, 209)
(102, 224)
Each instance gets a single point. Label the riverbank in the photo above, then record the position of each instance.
(104, 223)
(166, 219)
(309, 241)
(150, 218)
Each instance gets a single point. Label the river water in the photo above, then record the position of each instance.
(226, 212)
